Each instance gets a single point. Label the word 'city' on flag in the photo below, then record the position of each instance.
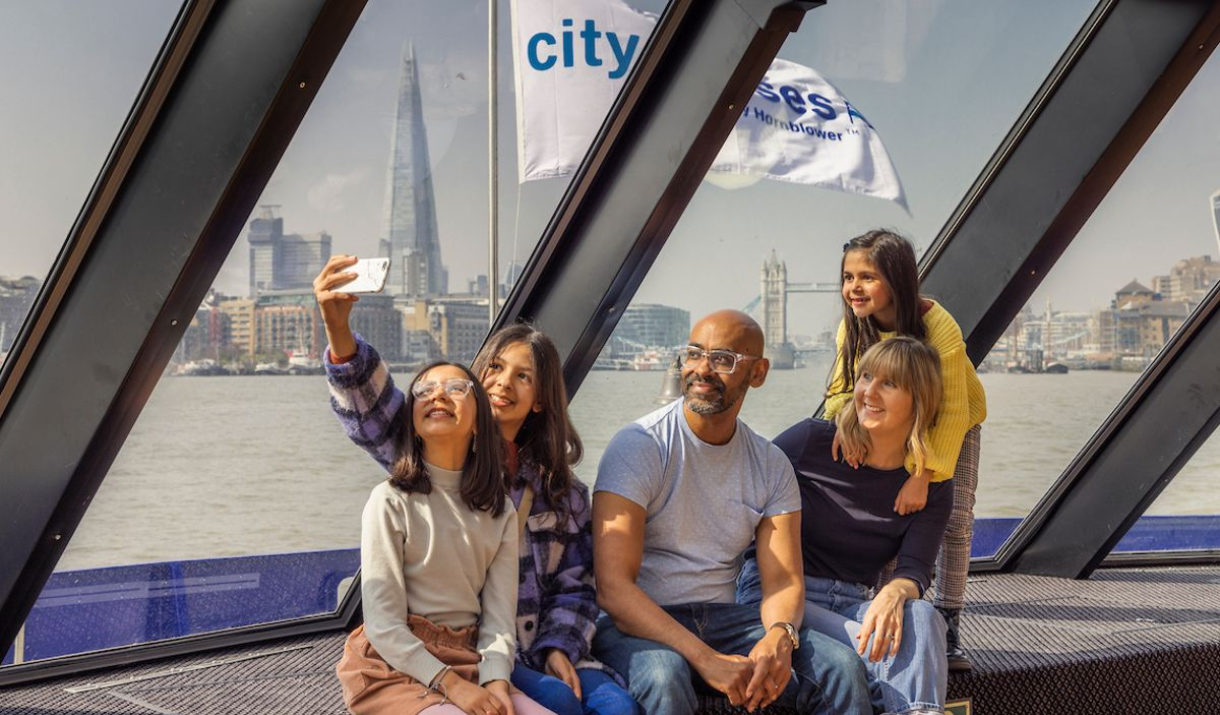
(571, 59)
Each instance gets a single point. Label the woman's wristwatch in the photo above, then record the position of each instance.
(790, 630)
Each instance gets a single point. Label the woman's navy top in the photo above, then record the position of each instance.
(849, 529)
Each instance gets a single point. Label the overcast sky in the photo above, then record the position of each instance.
(941, 80)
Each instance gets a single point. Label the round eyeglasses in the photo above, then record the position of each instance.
(722, 361)
(454, 387)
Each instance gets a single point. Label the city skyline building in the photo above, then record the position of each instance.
(302, 257)
(409, 235)
(511, 274)
(280, 261)
(654, 325)
(266, 231)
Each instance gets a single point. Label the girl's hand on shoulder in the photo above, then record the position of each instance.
(558, 666)
(913, 496)
(502, 692)
(855, 459)
(473, 699)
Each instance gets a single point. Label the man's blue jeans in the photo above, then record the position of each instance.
(829, 678)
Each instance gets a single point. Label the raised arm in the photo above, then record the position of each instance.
(336, 306)
(618, 550)
(362, 393)
(368, 404)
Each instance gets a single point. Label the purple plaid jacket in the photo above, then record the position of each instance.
(556, 605)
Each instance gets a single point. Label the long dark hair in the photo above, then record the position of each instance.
(894, 258)
(547, 440)
(483, 487)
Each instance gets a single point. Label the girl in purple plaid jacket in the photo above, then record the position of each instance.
(557, 605)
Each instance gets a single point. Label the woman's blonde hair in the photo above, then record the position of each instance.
(913, 366)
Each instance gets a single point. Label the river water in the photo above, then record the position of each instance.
(229, 466)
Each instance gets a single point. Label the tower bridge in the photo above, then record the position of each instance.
(773, 298)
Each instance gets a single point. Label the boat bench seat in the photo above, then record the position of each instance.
(1125, 636)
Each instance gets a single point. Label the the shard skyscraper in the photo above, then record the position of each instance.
(409, 235)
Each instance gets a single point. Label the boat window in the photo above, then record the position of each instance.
(937, 84)
(1140, 266)
(236, 499)
(70, 73)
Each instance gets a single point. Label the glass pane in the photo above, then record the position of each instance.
(1186, 516)
(1136, 271)
(61, 61)
(940, 81)
(237, 497)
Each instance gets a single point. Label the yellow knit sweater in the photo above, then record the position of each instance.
(963, 403)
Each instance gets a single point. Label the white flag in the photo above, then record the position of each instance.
(570, 60)
(797, 127)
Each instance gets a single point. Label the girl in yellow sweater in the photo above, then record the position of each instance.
(880, 285)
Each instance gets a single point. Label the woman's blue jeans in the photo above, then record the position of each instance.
(601, 695)
(913, 680)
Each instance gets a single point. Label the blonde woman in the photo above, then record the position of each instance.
(850, 529)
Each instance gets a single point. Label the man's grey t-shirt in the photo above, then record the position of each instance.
(703, 501)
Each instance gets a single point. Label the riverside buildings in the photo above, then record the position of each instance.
(1125, 335)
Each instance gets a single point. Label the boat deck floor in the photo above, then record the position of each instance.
(1131, 640)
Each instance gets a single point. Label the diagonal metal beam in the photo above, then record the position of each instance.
(1101, 103)
(683, 98)
(226, 96)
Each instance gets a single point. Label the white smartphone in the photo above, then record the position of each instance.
(370, 277)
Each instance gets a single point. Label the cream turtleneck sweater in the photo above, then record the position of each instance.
(430, 555)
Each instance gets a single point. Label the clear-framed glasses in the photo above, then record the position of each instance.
(722, 361)
(455, 387)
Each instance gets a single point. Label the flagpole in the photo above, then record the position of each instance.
(493, 198)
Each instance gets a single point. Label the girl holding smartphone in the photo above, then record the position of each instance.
(521, 371)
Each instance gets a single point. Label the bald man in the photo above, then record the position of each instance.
(680, 494)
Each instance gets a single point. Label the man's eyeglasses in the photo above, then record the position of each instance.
(455, 387)
(722, 361)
